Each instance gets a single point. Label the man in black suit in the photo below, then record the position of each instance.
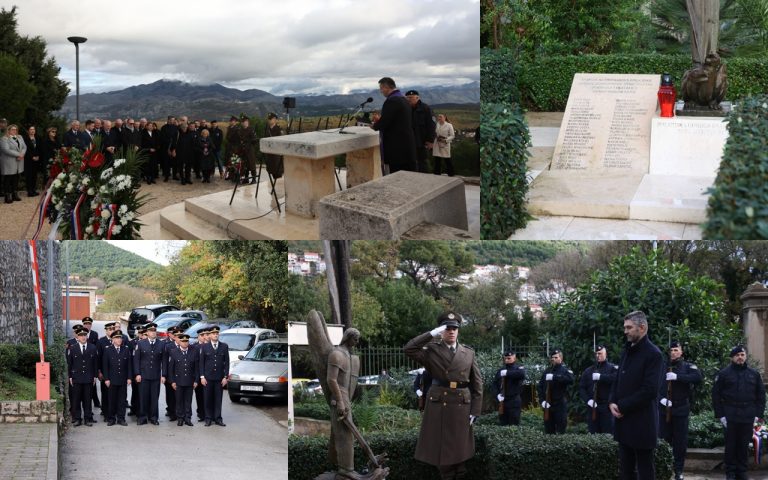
(633, 400)
(74, 138)
(118, 370)
(423, 129)
(82, 376)
(147, 367)
(93, 339)
(202, 339)
(169, 345)
(183, 373)
(398, 145)
(217, 136)
(101, 345)
(132, 343)
(214, 370)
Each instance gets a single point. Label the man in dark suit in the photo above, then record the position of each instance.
(93, 339)
(423, 129)
(82, 375)
(169, 344)
(68, 356)
(74, 138)
(147, 367)
(118, 370)
(633, 400)
(183, 374)
(214, 370)
(134, 409)
(217, 137)
(398, 145)
(110, 142)
(101, 345)
(202, 339)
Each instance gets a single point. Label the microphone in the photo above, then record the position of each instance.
(370, 99)
(359, 108)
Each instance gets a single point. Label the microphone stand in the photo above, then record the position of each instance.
(359, 109)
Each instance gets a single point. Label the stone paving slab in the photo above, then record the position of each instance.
(29, 451)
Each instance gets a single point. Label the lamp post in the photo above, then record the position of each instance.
(77, 41)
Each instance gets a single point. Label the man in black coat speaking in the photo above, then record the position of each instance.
(633, 400)
(398, 145)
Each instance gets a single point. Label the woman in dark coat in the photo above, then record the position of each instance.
(32, 161)
(150, 144)
(204, 148)
(49, 147)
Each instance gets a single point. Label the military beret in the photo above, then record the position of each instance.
(411, 92)
(509, 353)
(449, 319)
(675, 344)
(116, 334)
(87, 320)
(738, 349)
(183, 337)
(599, 347)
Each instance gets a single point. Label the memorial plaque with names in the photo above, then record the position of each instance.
(607, 123)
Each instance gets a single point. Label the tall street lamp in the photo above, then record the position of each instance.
(77, 41)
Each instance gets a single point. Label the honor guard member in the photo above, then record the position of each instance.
(93, 338)
(675, 398)
(594, 388)
(738, 398)
(82, 375)
(118, 371)
(183, 373)
(214, 371)
(508, 393)
(67, 355)
(202, 339)
(147, 366)
(169, 344)
(132, 343)
(101, 345)
(556, 378)
(446, 439)
(421, 385)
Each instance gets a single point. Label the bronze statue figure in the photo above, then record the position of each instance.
(704, 85)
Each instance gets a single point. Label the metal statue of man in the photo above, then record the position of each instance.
(704, 85)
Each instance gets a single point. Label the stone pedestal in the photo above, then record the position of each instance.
(687, 146)
(309, 159)
(754, 317)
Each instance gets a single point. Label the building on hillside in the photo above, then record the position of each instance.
(82, 302)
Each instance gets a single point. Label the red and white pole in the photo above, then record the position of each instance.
(43, 368)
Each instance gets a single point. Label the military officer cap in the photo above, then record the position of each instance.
(202, 330)
(597, 348)
(87, 320)
(555, 352)
(116, 334)
(271, 115)
(509, 353)
(233, 118)
(77, 328)
(81, 331)
(151, 327)
(142, 329)
(214, 329)
(411, 92)
(173, 330)
(109, 325)
(183, 337)
(675, 344)
(449, 319)
(738, 349)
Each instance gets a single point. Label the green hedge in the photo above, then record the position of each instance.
(498, 73)
(503, 158)
(501, 453)
(545, 84)
(738, 202)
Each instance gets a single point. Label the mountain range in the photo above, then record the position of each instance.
(172, 97)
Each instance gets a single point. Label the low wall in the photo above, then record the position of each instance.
(34, 411)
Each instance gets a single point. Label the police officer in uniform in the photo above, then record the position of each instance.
(118, 371)
(183, 373)
(169, 344)
(82, 376)
(93, 338)
(680, 379)
(738, 399)
(101, 345)
(454, 400)
(594, 388)
(202, 339)
(147, 366)
(508, 393)
(214, 372)
(134, 408)
(68, 356)
(557, 377)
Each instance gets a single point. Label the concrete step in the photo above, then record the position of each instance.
(183, 224)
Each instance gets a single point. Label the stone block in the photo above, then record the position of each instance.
(363, 166)
(687, 146)
(388, 207)
(31, 419)
(320, 144)
(306, 182)
(36, 408)
(671, 198)
(48, 407)
(25, 408)
(12, 419)
(9, 408)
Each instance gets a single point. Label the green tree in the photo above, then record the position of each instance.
(50, 91)
(368, 317)
(486, 308)
(308, 293)
(429, 264)
(16, 93)
(122, 298)
(375, 258)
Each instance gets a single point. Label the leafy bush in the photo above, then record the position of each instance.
(545, 84)
(501, 453)
(8, 357)
(738, 202)
(498, 69)
(368, 416)
(504, 156)
(705, 431)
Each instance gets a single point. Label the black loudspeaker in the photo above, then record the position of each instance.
(289, 102)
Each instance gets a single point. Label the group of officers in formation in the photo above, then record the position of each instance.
(144, 363)
(639, 400)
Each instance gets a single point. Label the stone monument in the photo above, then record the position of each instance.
(338, 369)
(754, 317)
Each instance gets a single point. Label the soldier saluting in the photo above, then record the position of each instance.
(118, 371)
(556, 379)
(507, 393)
(594, 389)
(453, 401)
(675, 397)
(738, 398)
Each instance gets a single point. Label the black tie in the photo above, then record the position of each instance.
(82, 349)
(118, 350)
(453, 349)
(18, 145)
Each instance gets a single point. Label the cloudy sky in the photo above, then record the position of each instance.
(281, 46)
(158, 251)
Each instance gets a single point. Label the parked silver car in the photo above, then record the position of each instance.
(263, 371)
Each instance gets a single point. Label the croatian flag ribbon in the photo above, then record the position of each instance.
(77, 228)
(112, 207)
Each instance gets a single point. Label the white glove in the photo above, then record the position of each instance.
(421, 370)
(472, 419)
(545, 404)
(595, 377)
(437, 331)
(419, 393)
(591, 403)
(724, 422)
(671, 376)
(665, 402)
(503, 372)
(500, 397)
(549, 377)
(756, 419)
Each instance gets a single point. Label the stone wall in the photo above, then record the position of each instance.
(17, 301)
(34, 411)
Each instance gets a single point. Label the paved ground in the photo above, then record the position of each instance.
(253, 445)
(28, 451)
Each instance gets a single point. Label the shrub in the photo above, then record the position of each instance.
(705, 431)
(367, 416)
(738, 202)
(501, 453)
(504, 156)
(8, 357)
(498, 69)
(545, 84)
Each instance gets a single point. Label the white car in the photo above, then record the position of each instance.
(241, 340)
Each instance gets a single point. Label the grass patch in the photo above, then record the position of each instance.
(17, 387)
